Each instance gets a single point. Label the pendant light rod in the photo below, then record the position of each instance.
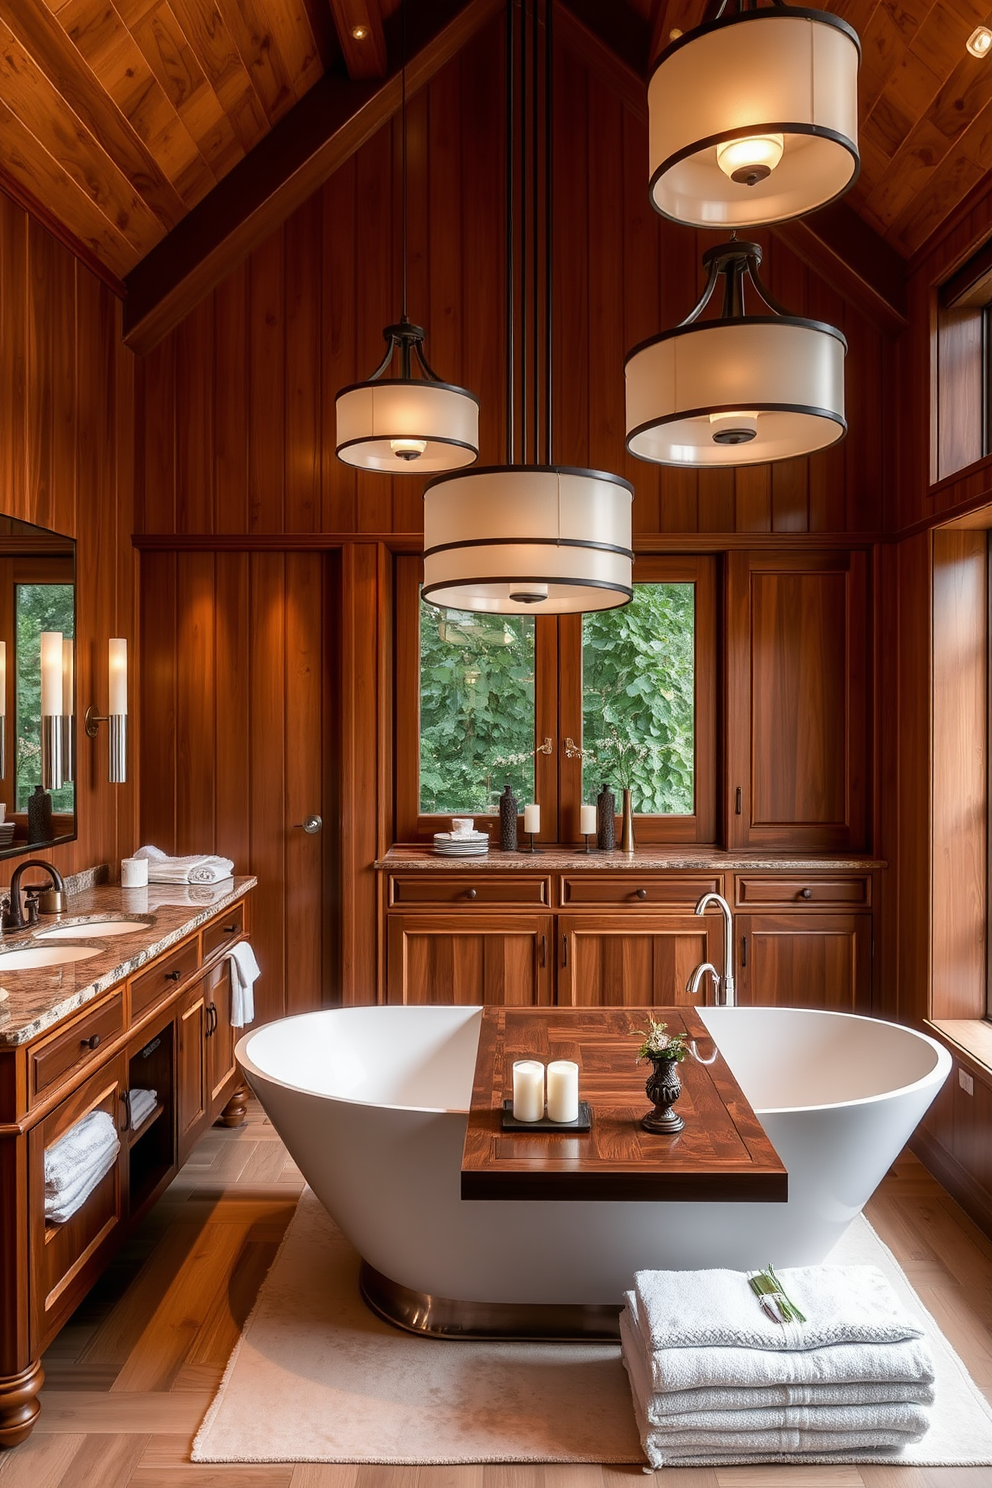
(509, 245)
(549, 299)
(404, 316)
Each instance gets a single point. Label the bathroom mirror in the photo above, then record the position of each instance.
(37, 597)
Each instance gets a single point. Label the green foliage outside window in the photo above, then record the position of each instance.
(39, 607)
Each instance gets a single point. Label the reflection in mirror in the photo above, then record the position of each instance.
(37, 598)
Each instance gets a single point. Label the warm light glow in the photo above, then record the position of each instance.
(51, 672)
(3, 679)
(359, 32)
(68, 669)
(748, 161)
(408, 449)
(117, 665)
(980, 41)
(733, 428)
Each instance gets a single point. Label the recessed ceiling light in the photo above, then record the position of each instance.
(359, 32)
(979, 42)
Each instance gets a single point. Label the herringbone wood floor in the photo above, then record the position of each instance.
(130, 1377)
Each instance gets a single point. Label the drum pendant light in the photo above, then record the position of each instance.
(753, 116)
(406, 425)
(527, 537)
(738, 389)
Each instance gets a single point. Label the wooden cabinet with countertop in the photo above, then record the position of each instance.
(150, 1010)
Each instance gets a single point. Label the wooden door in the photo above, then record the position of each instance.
(192, 1096)
(634, 960)
(797, 960)
(469, 958)
(798, 705)
(220, 1036)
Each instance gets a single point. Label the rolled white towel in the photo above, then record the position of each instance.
(198, 868)
(245, 972)
(716, 1308)
(62, 1206)
(141, 1104)
(82, 1147)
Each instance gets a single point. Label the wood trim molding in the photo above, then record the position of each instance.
(327, 126)
(413, 542)
(960, 1184)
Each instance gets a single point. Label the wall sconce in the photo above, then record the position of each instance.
(116, 715)
(52, 776)
(68, 685)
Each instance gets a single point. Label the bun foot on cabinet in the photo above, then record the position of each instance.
(19, 1407)
(236, 1111)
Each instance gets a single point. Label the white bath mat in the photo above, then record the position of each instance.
(316, 1378)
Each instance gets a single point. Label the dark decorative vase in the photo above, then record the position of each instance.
(606, 824)
(508, 809)
(664, 1087)
(40, 816)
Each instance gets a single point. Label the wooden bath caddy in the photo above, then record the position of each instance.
(722, 1154)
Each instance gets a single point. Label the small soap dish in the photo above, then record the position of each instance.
(510, 1122)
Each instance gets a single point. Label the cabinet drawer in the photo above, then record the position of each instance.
(164, 976)
(77, 1045)
(804, 893)
(224, 931)
(450, 889)
(633, 890)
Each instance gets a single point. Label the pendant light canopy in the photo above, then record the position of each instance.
(738, 389)
(753, 116)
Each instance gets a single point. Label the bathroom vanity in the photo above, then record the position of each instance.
(149, 1008)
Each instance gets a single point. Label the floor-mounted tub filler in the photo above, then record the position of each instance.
(372, 1104)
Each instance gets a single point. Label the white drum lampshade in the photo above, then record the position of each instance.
(528, 539)
(407, 427)
(753, 118)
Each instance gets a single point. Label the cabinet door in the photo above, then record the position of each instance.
(469, 958)
(220, 1036)
(797, 960)
(797, 700)
(634, 960)
(192, 1096)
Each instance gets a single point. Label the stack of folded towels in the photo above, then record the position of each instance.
(141, 1104)
(202, 868)
(75, 1164)
(716, 1380)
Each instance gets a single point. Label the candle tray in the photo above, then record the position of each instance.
(583, 1124)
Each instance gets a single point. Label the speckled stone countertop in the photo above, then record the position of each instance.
(403, 857)
(40, 998)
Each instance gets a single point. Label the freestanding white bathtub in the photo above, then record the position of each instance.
(372, 1104)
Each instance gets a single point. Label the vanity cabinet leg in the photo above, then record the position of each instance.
(236, 1110)
(19, 1408)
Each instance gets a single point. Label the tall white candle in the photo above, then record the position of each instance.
(68, 669)
(117, 661)
(51, 672)
(528, 1090)
(532, 818)
(563, 1090)
(587, 820)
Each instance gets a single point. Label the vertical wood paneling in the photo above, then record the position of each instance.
(198, 684)
(230, 398)
(159, 669)
(341, 362)
(304, 249)
(266, 387)
(267, 770)
(232, 651)
(195, 436)
(305, 767)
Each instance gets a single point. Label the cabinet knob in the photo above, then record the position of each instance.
(471, 893)
(231, 929)
(807, 893)
(641, 893)
(93, 1042)
(173, 976)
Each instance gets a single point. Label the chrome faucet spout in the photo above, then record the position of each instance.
(692, 985)
(727, 983)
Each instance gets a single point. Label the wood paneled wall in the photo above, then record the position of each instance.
(66, 462)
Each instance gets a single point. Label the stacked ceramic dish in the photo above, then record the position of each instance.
(461, 844)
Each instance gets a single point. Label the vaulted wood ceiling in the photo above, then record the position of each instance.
(119, 117)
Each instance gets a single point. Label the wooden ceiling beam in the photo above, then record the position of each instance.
(328, 125)
(362, 37)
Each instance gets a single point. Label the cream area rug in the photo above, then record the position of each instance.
(315, 1377)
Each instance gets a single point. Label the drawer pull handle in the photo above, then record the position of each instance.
(173, 976)
(471, 893)
(544, 950)
(807, 893)
(564, 950)
(641, 893)
(93, 1042)
(231, 929)
(211, 1019)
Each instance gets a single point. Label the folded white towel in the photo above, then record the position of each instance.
(765, 1446)
(707, 1309)
(83, 1146)
(245, 972)
(909, 1361)
(62, 1205)
(141, 1104)
(204, 868)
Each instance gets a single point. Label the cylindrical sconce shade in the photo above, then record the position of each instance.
(51, 672)
(736, 392)
(68, 673)
(528, 539)
(68, 708)
(117, 671)
(786, 82)
(407, 427)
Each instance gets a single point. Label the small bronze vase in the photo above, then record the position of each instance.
(664, 1087)
(627, 838)
(508, 809)
(606, 825)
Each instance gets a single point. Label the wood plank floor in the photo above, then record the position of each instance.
(129, 1378)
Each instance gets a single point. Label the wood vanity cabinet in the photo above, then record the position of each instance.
(808, 941)
(470, 958)
(618, 961)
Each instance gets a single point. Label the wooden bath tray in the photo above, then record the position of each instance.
(722, 1154)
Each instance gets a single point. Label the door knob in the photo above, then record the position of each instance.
(310, 824)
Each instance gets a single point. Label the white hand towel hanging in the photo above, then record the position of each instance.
(244, 974)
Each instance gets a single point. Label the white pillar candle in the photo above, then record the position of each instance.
(532, 818)
(117, 662)
(528, 1090)
(587, 820)
(563, 1090)
(51, 672)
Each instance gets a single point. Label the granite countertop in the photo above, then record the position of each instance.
(554, 859)
(40, 998)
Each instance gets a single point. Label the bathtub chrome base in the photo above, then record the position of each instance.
(443, 1317)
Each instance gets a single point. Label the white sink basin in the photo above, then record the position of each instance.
(26, 957)
(82, 925)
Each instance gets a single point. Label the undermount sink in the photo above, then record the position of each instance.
(102, 925)
(26, 957)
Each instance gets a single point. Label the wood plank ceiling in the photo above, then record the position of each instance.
(117, 117)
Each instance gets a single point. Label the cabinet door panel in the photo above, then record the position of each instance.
(817, 961)
(191, 1068)
(470, 959)
(633, 960)
(220, 1036)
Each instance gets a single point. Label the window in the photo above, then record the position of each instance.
(963, 371)
(558, 705)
